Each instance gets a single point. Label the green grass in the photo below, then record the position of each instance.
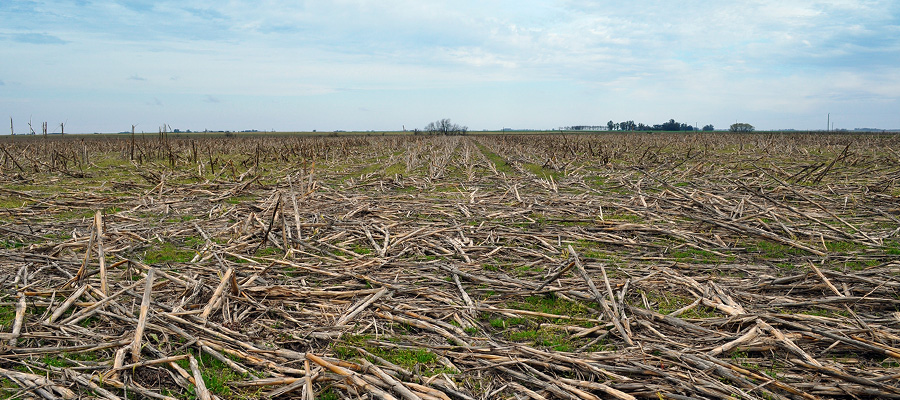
(824, 312)
(666, 303)
(892, 248)
(8, 388)
(596, 182)
(551, 304)
(499, 162)
(859, 265)
(55, 361)
(215, 373)
(12, 202)
(194, 242)
(843, 247)
(240, 199)
(10, 244)
(7, 316)
(527, 270)
(360, 249)
(181, 218)
(593, 250)
(542, 172)
(398, 168)
(692, 255)
(268, 251)
(550, 338)
(623, 216)
(529, 330)
(772, 250)
(422, 359)
(786, 266)
(168, 253)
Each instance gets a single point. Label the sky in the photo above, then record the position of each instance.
(103, 66)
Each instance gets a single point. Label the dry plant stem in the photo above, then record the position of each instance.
(216, 297)
(37, 380)
(746, 338)
(87, 258)
(21, 306)
(130, 387)
(118, 362)
(825, 280)
(297, 225)
(296, 384)
(308, 390)
(85, 381)
(199, 386)
(352, 378)
(66, 304)
(599, 298)
(142, 319)
(101, 257)
(465, 296)
(225, 360)
(393, 383)
(556, 276)
(359, 307)
(146, 363)
(88, 311)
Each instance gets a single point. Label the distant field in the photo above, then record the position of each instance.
(579, 266)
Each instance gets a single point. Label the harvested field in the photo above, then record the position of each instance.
(619, 266)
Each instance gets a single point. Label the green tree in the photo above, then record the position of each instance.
(742, 127)
(709, 127)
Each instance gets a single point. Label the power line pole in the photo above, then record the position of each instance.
(828, 124)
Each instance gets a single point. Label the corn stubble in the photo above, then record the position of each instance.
(681, 266)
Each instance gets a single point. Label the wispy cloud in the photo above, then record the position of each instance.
(136, 78)
(37, 38)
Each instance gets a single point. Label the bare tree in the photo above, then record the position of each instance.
(445, 127)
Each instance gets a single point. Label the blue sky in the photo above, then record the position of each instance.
(381, 65)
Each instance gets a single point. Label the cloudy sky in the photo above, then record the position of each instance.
(381, 65)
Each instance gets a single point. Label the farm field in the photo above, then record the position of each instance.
(663, 266)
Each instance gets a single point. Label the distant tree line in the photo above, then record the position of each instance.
(671, 125)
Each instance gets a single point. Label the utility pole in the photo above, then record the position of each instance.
(828, 124)
(11, 131)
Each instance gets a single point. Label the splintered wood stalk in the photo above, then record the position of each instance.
(142, 319)
(101, 257)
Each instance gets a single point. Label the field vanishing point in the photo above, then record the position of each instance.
(648, 266)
